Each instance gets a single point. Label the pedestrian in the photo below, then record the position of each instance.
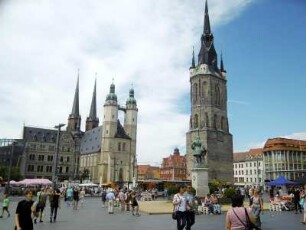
(54, 200)
(25, 207)
(5, 205)
(121, 197)
(303, 202)
(179, 202)
(296, 200)
(69, 193)
(103, 197)
(237, 217)
(110, 197)
(257, 207)
(82, 196)
(41, 204)
(135, 205)
(76, 198)
(190, 207)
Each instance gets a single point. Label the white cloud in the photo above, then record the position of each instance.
(147, 43)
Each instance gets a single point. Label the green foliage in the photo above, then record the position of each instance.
(216, 184)
(15, 173)
(229, 192)
(172, 190)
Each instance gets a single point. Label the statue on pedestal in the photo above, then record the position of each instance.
(199, 152)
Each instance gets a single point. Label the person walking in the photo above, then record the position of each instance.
(41, 204)
(5, 205)
(69, 194)
(121, 197)
(296, 200)
(257, 207)
(190, 207)
(135, 205)
(110, 197)
(303, 202)
(103, 197)
(25, 207)
(76, 198)
(237, 218)
(82, 196)
(179, 202)
(54, 200)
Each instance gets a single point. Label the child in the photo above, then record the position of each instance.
(5, 206)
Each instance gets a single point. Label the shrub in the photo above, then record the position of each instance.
(229, 192)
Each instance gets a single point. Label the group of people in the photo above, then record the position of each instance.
(210, 201)
(125, 199)
(184, 207)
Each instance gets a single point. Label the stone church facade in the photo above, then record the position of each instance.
(208, 119)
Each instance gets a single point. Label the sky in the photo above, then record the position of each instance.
(148, 45)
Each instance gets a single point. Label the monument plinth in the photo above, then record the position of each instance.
(199, 173)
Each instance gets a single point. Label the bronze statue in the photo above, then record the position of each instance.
(199, 152)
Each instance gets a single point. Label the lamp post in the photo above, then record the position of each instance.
(55, 162)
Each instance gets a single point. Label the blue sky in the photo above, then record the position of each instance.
(264, 52)
(149, 45)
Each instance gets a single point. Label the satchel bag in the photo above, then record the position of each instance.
(249, 225)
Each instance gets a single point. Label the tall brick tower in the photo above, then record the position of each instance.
(208, 118)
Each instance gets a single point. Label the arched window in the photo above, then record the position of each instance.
(215, 121)
(206, 120)
(120, 175)
(195, 93)
(196, 121)
(204, 86)
(217, 96)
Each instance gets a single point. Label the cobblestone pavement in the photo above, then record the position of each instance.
(93, 217)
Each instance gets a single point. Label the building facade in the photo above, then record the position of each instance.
(208, 119)
(108, 151)
(145, 172)
(284, 157)
(249, 168)
(174, 167)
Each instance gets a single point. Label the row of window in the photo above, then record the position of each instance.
(241, 172)
(46, 168)
(251, 180)
(176, 171)
(48, 148)
(248, 164)
(32, 157)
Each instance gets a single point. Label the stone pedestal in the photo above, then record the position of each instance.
(200, 181)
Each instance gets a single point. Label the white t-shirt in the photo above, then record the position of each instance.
(180, 202)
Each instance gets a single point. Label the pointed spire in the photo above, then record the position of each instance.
(222, 65)
(75, 107)
(193, 61)
(93, 107)
(206, 20)
(207, 54)
(92, 120)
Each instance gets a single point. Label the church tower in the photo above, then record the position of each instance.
(208, 118)
(74, 119)
(92, 120)
(130, 127)
(110, 122)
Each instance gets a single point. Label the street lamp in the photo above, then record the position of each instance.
(55, 162)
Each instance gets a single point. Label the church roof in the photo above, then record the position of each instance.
(91, 141)
(121, 132)
(34, 134)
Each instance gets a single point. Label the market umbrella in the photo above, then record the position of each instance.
(281, 181)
